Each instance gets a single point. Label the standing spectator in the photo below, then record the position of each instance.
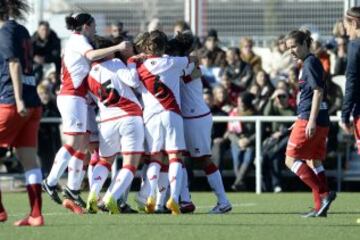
(211, 45)
(242, 137)
(49, 133)
(248, 55)
(275, 145)
(20, 108)
(240, 72)
(117, 31)
(47, 49)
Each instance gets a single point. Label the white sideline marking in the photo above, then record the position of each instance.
(70, 213)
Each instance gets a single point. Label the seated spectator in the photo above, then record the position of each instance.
(117, 31)
(242, 138)
(248, 55)
(240, 72)
(210, 73)
(221, 99)
(275, 145)
(291, 87)
(49, 133)
(340, 56)
(211, 45)
(46, 48)
(266, 89)
(219, 143)
(320, 52)
(233, 91)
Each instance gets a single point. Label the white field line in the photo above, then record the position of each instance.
(236, 205)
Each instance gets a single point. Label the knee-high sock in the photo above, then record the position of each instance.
(75, 169)
(61, 161)
(145, 184)
(320, 173)
(123, 180)
(163, 185)
(185, 193)
(33, 179)
(306, 175)
(1, 205)
(215, 181)
(152, 175)
(175, 178)
(94, 159)
(99, 176)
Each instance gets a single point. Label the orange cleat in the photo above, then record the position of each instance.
(30, 221)
(72, 206)
(3, 216)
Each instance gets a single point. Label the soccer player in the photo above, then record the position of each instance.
(306, 148)
(121, 127)
(197, 129)
(78, 54)
(164, 133)
(351, 104)
(20, 107)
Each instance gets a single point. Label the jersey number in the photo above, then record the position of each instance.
(108, 95)
(160, 90)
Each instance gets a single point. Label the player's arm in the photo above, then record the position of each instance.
(15, 75)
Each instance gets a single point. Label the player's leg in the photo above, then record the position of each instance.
(161, 192)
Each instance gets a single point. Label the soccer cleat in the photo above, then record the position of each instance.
(312, 213)
(187, 207)
(72, 206)
(30, 221)
(173, 206)
(51, 191)
(91, 204)
(111, 205)
(221, 208)
(325, 204)
(3, 216)
(161, 210)
(74, 195)
(126, 208)
(140, 201)
(150, 205)
(101, 206)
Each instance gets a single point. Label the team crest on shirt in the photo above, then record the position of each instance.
(153, 62)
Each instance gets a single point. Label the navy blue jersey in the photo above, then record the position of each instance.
(311, 77)
(351, 102)
(15, 42)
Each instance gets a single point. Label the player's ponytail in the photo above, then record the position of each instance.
(13, 8)
(75, 22)
(301, 36)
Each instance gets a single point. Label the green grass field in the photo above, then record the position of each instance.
(266, 216)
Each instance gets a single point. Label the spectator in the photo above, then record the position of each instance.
(219, 143)
(181, 26)
(49, 133)
(154, 24)
(240, 72)
(233, 91)
(210, 72)
(211, 45)
(221, 99)
(292, 83)
(340, 56)
(322, 55)
(46, 48)
(242, 138)
(266, 89)
(275, 145)
(117, 31)
(248, 55)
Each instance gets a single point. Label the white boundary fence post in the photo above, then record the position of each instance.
(258, 156)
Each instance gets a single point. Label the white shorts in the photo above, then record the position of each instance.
(92, 126)
(165, 132)
(73, 110)
(197, 133)
(124, 135)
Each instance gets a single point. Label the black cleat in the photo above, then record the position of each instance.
(102, 207)
(126, 209)
(162, 210)
(74, 195)
(325, 204)
(51, 191)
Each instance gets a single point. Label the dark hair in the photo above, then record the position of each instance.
(76, 22)
(234, 50)
(140, 42)
(13, 8)
(102, 42)
(300, 36)
(181, 45)
(118, 24)
(44, 23)
(247, 99)
(353, 14)
(183, 25)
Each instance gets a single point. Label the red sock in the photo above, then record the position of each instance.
(317, 200)
(1, 206)
(34, 192)
(324, 188)
(307, 175)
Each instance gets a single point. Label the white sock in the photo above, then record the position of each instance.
(163, 185)
(33, 176)
(185, 193)
(318, 169)
(296, 165)
(144, 191)
(61, 161)
(215, 181)
(99, 176)
(175, 179)
(124, 196)
(90, 171)
(152, 175)
(122, 182)
(75, 168)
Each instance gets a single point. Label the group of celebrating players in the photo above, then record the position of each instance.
(148, 95)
